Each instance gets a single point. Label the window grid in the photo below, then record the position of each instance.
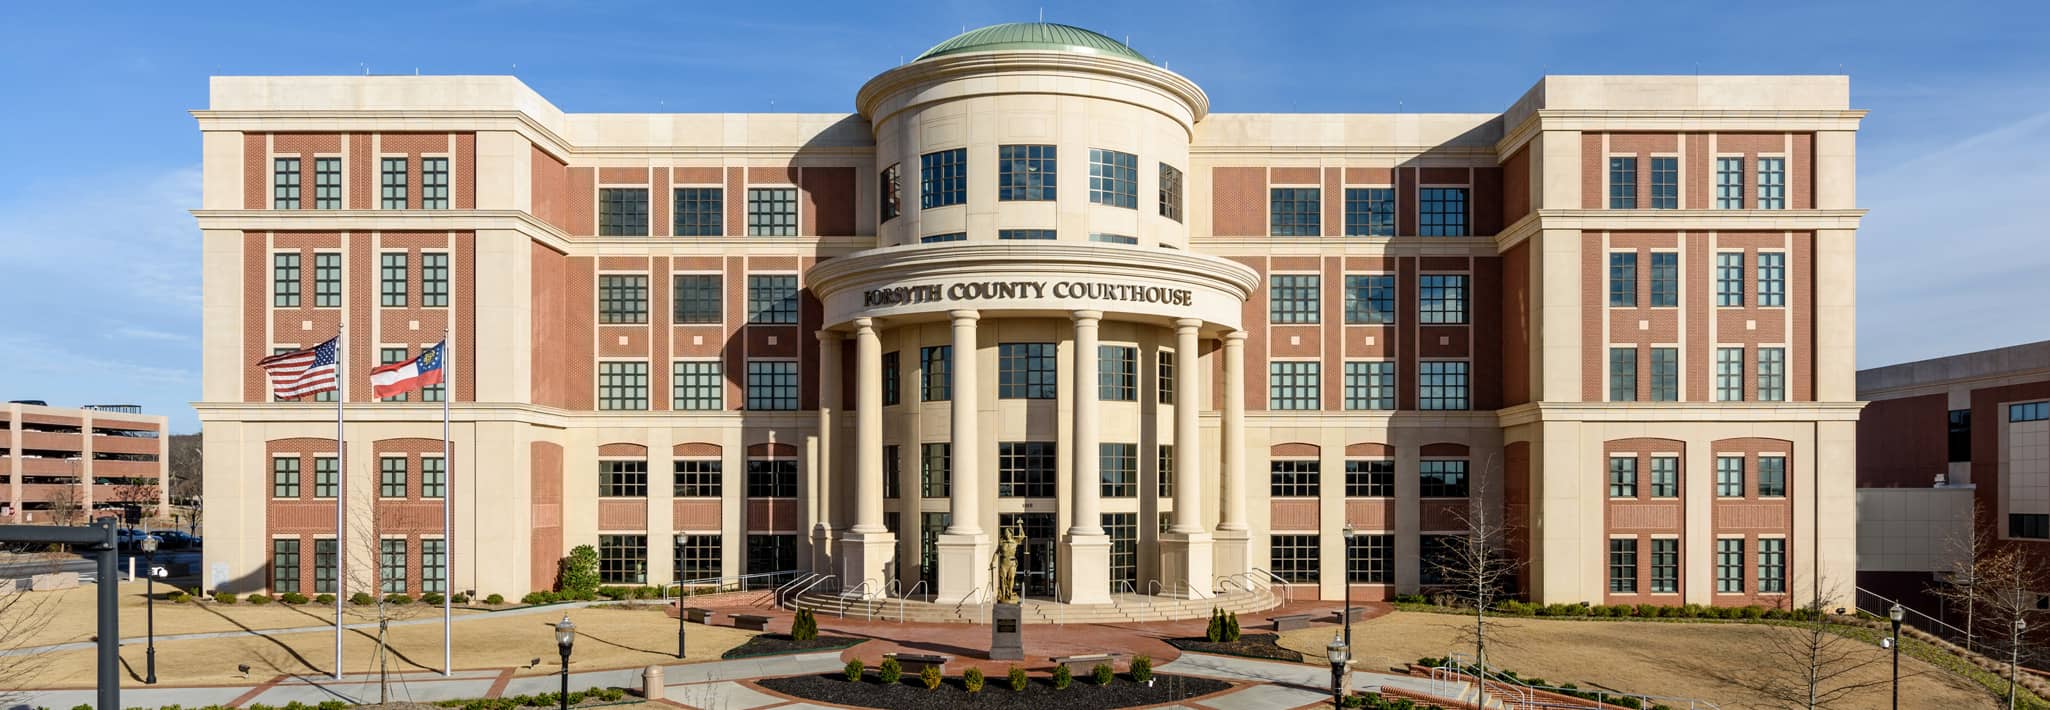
(1772, 565)
(326, 476)
(1622, 374)
(1292, 385)
(1293, 298)
(1370, 559)
(285, 184)
(1369, 299)
(1622, 477)
(1369, 478)
(391, 568)
(1026, 371)
(1772, 278)
(699, 557)
(935, 379)
(1442, 478)
(1123, 531)
(327, 280)
(1436, 553)
(2028, 526)
(892, 192)
(943, 178)
(284, 472)
(1729, 279)
(1292, 478)
(772, 211)
(1665, 374)
(285, 280)
(392, 280)
(1294, 211)
(700, 212)
(1026, 173)
(392, 183)
(1025, 234)
(434, 280)
(935, 470)
(1113, 178)
(2028, 412)
(1369, 385)
(433, 566)
(1729, 565)
(1170, 192)
(1117, 373)
(434, 183)
(284, 566)
(1622, 566)
(1772, 476)
(1772, 374)
(1729, 183)
(1729, 476)
(623, 559)
(1772, 186)
(700, 386)
(1623, 279)
(1665, 183)
(1729, 374)
(623, 386)
(391, 480)
(1665, 477)
(948, 237)
(1441, 385)
(388, 356)
(1443, 298)
(1443, 212)
(1025, 469)
(772, 299)
(697, 299)
(893, 379)
(327, 183)
(772, 478)
(1163, 376)
(1665, 565)
(1295, 558)
(1118, 468)
(1369, 212)
(1163, 469)
(433, 477)
(1112, 238)
(1622, 183)
(771, 385)
(324, 566)
(697, 478)
(623, 479)
(1665, 279)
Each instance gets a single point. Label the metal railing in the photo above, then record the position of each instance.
(855, 593)
(1287, 591)
(1517, 694)
(906, 595)
(1878, 606)
(798, 592)
(982, 590)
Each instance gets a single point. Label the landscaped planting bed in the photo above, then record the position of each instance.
(1039, 692)
(777, 644)
(1262, 646)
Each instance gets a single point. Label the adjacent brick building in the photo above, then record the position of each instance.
(62, 466)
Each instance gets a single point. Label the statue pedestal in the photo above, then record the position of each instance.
(1007, 637)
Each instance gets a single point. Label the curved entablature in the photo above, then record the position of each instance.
(957, 76)
(912, 283)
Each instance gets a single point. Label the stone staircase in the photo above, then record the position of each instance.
(1123, 609)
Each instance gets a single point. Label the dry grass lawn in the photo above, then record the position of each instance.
(1707, 661)
(70, 615)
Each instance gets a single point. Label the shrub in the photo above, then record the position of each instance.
(292, 598)
(460, 598)
(495, 599)
(1409, 598)
(1062, 677)
(1142, 668)
(181, 598)
(1753, 612)
(259, 599)
(1017, 677)
(577, 574)
(614, 593)
(224, 597)
(972, 680)
(805, 627)
(323, 598)
(930, 677)
(1231, 627)
(362, 599)
(890, 672)
(397, 599)
(1103, 673)
(433, 598)
(1647, 611)
(854, 670)
(1215, 631)
(1622, 610)
(1512, 608)
(1776, 614)
(533, 598)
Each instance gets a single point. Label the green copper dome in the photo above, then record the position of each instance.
(1034, 36)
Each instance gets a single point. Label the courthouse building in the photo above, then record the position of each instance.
(1033, 282)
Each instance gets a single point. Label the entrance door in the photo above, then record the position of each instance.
(1036, 557)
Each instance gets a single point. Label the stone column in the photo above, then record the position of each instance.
(964, 548)
(1087, 577)
(1188, 555)
(867, 547)
(1234, 541)
(822, 487)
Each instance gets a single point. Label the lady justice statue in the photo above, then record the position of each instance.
(1004, 563)
(1007, 641)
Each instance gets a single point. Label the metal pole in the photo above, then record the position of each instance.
(1337, 699)
(565, 676)
(109, 617)
(1896, 664)
(150, 565)
(448, 486)
(341, 486)
(679, 621)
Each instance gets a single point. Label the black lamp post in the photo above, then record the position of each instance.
(679, 621)
(1896, 613)
(1349, 533)
(149, 557)
(565, 637)
(1338, 652)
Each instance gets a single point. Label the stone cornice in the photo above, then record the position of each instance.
(491, 412)
(1084, 259)
(1678, 221)
(1692, 120)
(511, 221)
(474, 120)
(954, 67)
(1344, 246)
(1706, 412)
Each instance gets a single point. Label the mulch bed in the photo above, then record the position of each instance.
(1039, 694)
(1263, 646)
(777, 644)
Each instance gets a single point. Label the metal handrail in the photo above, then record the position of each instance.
(1881, 613)
(1153, 587)
(1288, 590)
(819, 579)
(781, 588)
(1126, 584)
(901, 598)
(964, 599)
(1460, 662)
(852, 593)
(1232, 582)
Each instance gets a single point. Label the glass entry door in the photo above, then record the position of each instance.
(1036, 557)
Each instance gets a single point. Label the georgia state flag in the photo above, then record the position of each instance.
(401, 377)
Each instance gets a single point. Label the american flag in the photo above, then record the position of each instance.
(301, 372)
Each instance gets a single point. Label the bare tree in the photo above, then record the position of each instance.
(23, 617)
(67, 506)
(1973, 551)
(186, 469)
(141, 495)
(1477, 567)
(1820, 662)
(365, 575)
(2008, 584)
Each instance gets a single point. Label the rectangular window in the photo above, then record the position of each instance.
(1025, 469)
(2028, 412)
(948, 237)
(893, 379)
(1665, 477)
(1118, 467)
(700, 212)
(1729, 278)
(1729, 565)
(1622, 183)
(1170, 192)
(1113, 178)
(1369, 299)
(623, 385)
(1729, 476)
(892, 192)
(433, 477)
(1729, 374)
(699, 386)
(1117, 373)
(1436, 554)
(1112, 238)
(1026, 371)
(1622, 374)
(1370, 559)
(934, 379)
(391, 479)
(1369, 212)
(1369, 385)
(1772, 476)
(1622, 477)
(2028, 526)
(434, 184)
(285, 184)
(1163, 376)
(387, 356)
(943, 178)
(1369, 478)
(1960, 436)
(772, 299)
(391, 568)
(623, 559)
(284, 477)
(1443, 298)
(1623, 279)
(1123, 531)
(1622, 566)
(772, 385)
(284, 566)
(1729, 183)
(1665, 565)
(1443, 212)
(699, 557)
(1772, 565)
(1294, 211)
(1025, 234)
(1293, 298)
(1772, 374)
(1772, 183)
(893, 474)
(935, 470)
(1292, 385)
(1665, 183)
(327, 479)
(1441, 385)
(1163, 468)
(772, 478)
(698, 299)
(392, 280)
(324, 557)
(771, 553)
(1295, 558)
(285, 280)
(697, 478)
(1665, 279)
(1442, 478)
(772, 212)
(433, 566)
(392, 182)
(1665, 374)
(434, 280)
(1292, 478)
(1026, 173)
(1772, 278)
(327, 183)
(327, 280)
(623, 479)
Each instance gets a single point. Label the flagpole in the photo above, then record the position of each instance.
(448, 488)
(341, 483)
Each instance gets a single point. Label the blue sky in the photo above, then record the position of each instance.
(100, 276)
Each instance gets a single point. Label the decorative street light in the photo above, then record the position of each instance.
(565, 637)
(679, 620)
(2014, 648)
(1338, 652)
(1896, 613)
(1349, 533)
(149, 556)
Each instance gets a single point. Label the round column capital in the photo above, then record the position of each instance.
(965, 314)
(864, 324)
(1236, 337)
(1085, 315)
(1187, 324)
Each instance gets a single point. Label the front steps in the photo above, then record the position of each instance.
(1123, 609)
